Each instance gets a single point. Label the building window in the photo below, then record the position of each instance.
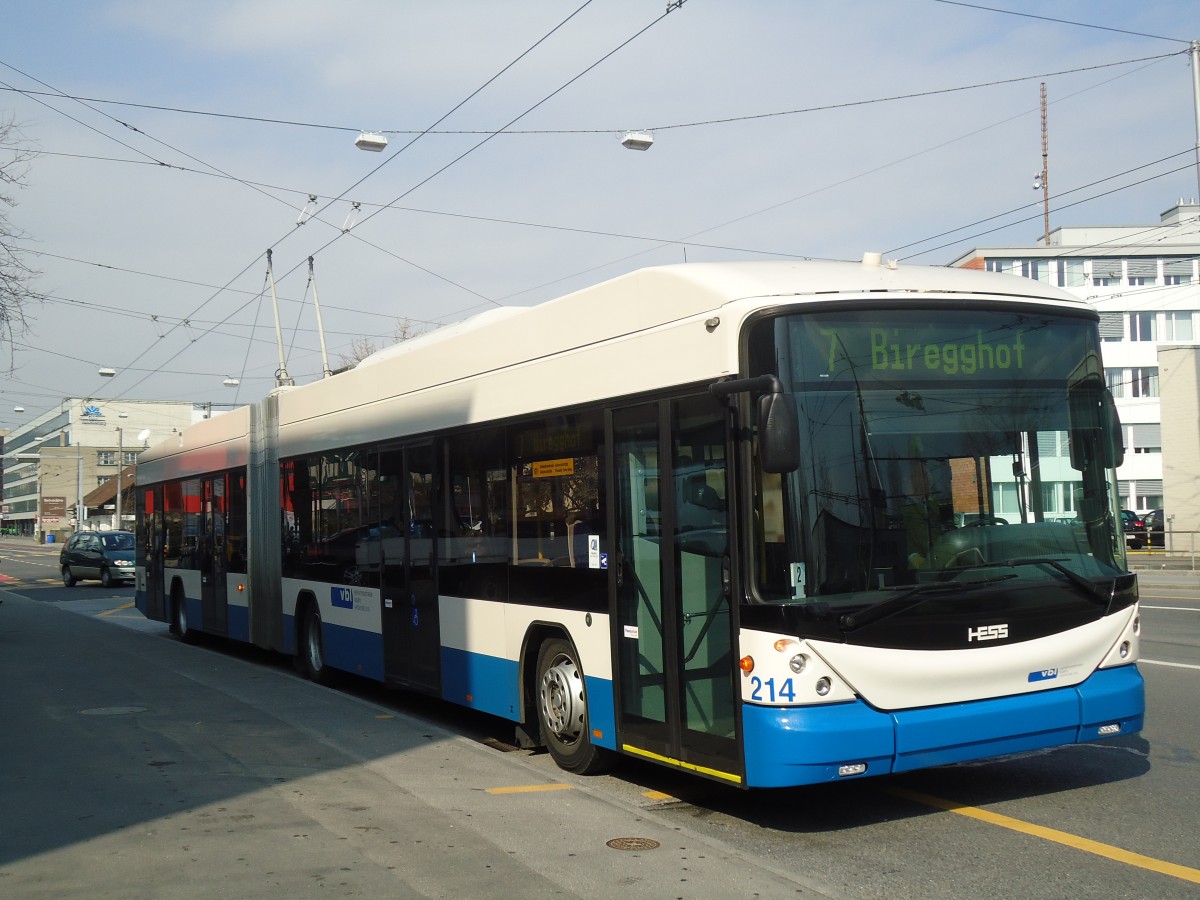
(1177, 326)
(1144, 382)
(104, 479)
(106, 457)
(1112, 326)
(1116, 381)
(1142, 271)
(1070, 273)
(1107, 272)
(998, 265)
(1142, 326)
(1177, 270)
(1146, 438)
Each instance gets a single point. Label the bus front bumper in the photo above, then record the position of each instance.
(788, 746)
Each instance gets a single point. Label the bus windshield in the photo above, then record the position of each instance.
(938, 445)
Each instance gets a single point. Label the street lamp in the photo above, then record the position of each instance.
(370, 140)
(637, 140)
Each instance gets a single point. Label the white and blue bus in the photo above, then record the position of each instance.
(773, 523)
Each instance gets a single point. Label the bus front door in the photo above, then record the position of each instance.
(672, 621)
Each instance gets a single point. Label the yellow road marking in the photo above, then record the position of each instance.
(529, 788)
(116, 609)
(1050, 834)
(656, 795)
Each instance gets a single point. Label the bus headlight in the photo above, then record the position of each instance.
(797, 663)
(823, 685)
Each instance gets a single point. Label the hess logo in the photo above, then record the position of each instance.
(987, 633)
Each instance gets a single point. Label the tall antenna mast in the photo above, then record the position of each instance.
(1045, 172)
(1195, 53)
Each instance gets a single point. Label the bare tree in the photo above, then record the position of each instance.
(16, 277)
(362, 347)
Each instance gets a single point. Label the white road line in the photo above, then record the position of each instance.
(1159, 662)
(1174, 608)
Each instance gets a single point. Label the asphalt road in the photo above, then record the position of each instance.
(135, 766)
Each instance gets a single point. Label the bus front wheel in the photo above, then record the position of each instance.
(562, 709)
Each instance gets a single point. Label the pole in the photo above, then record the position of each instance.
(1196, 104)
(120, 462)
(1045, 172)
(79, 510)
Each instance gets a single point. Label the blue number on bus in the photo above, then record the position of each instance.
(786, 690)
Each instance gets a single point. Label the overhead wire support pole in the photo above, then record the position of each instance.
(1045, 172)
(282, 379)
(1195, 53)
(326, 371)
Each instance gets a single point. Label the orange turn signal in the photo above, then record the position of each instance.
(746, 664)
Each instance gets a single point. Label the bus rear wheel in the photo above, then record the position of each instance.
(311, 650)
(562, 709)
(179, 618)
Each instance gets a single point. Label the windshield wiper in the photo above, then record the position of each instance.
(914, 596)
(1089, 588)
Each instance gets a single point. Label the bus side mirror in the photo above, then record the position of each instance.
(778, 425)
(1094, 413)
(1114, 447)
(778, 433)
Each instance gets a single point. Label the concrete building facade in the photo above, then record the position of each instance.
(53, 462)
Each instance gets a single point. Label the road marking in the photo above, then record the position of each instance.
(656, 795)
(1174, 665)
(1174, 608)
(528, 788)
(116, 609)
(1050, 834)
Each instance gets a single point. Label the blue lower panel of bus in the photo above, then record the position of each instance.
(492, 685)
(238, 622)
(806, 745)
(347, 649)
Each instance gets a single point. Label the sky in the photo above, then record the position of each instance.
(173, 144)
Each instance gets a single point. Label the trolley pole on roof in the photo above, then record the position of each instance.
(282, 379)
(320, 325)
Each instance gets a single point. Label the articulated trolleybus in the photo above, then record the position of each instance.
(774, 523)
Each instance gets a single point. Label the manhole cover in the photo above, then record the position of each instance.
(112, 711)
(633, 843)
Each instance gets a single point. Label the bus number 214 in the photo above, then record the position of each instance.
(785, 690)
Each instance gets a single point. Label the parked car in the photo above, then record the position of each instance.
(1155, 523)
(104, 555)
(1135, 529)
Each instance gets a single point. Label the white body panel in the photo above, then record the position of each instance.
(498, 630)
(900, 679)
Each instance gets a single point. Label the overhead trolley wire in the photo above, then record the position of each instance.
(726, 120)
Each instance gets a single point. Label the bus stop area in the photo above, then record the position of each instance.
(138, 766)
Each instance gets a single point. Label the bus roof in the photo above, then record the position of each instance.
(638, 332)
